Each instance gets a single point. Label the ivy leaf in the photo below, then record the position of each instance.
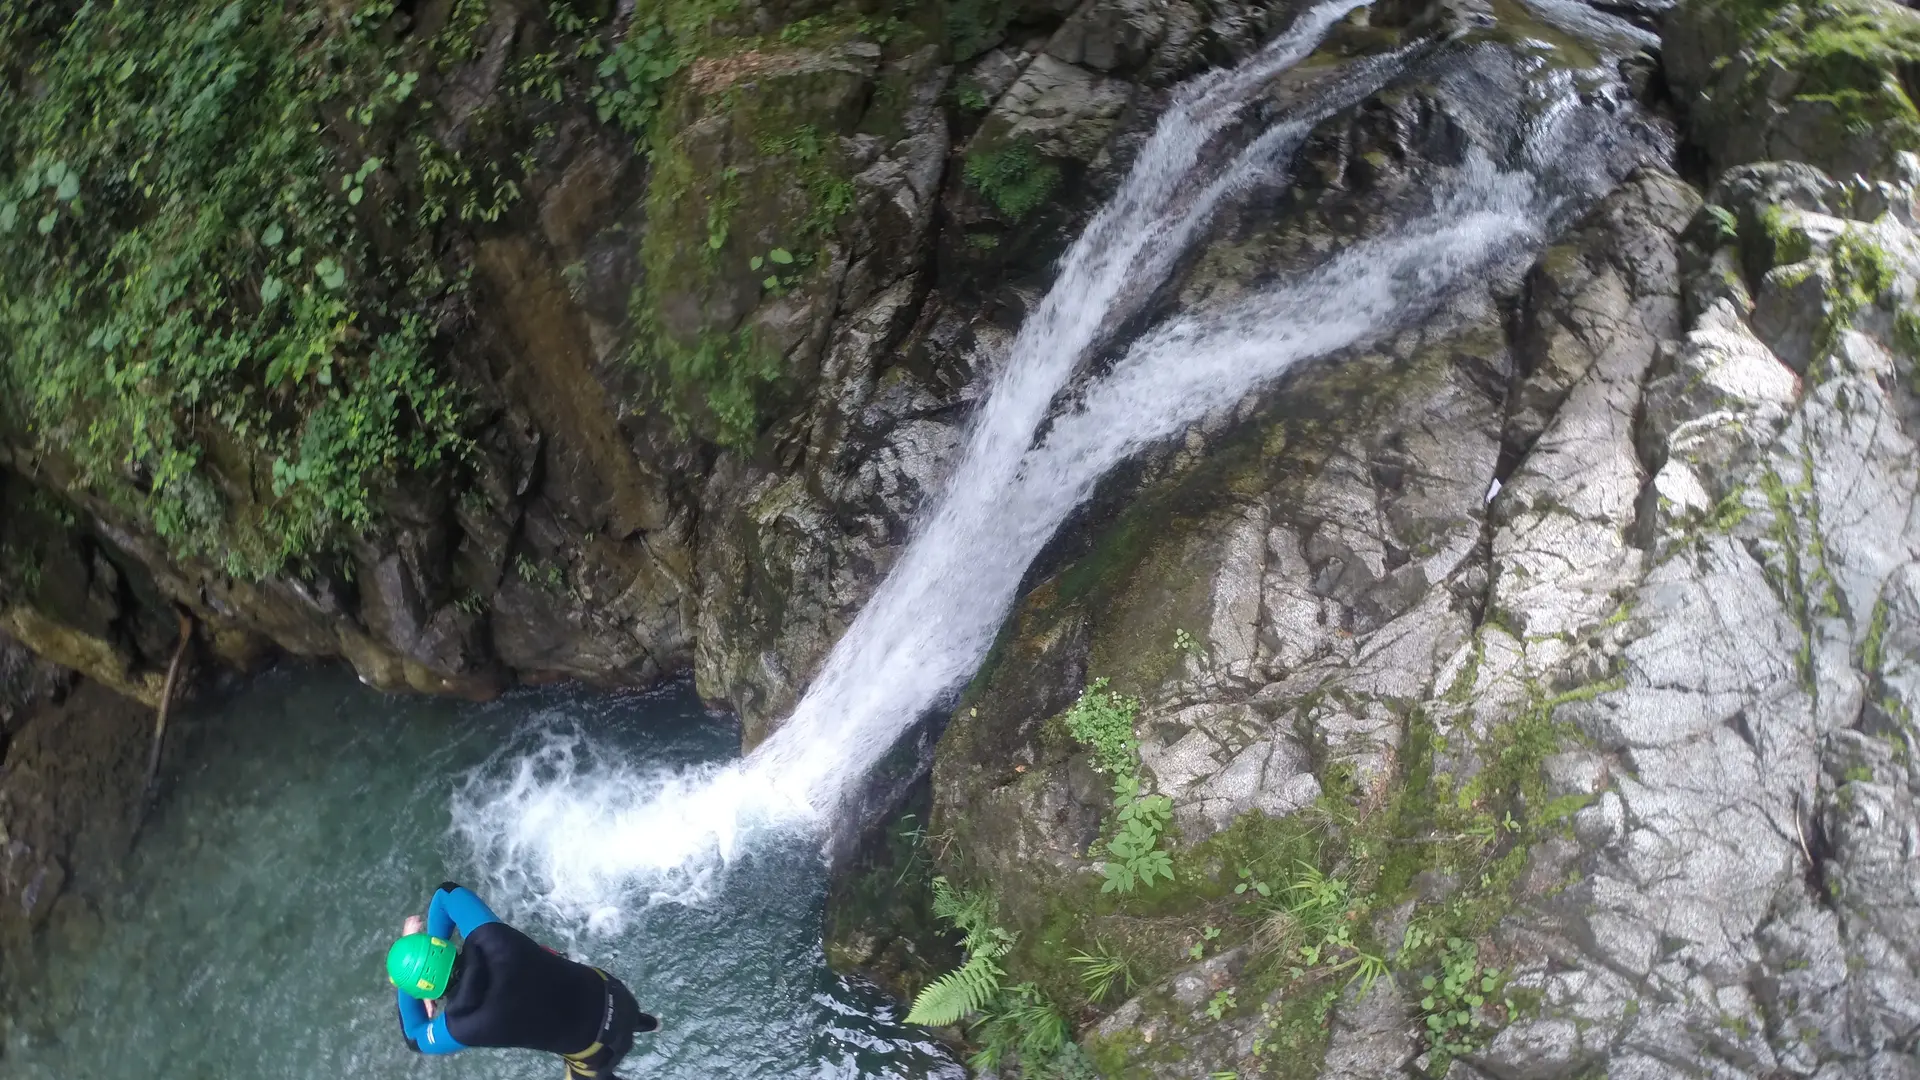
(69, 187)
(330, 273)
(270, 290)
(354, 196)
(781, 256)
(770, 284)
(47, 223)
(756, 263)
(9, 216)
(273, 235)
(56, 174)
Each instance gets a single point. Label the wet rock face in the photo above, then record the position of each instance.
(72, 758)
(1650, 508)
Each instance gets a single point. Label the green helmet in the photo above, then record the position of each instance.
(419, 964)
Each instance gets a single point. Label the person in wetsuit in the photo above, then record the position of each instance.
(501, 988)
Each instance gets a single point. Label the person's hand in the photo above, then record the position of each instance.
(415, 924)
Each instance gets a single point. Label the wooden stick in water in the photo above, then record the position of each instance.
(166, 700)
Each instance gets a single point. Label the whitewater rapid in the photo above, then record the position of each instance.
(589, 836)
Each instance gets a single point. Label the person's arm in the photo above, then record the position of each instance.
(456, 908)
(424, 1035)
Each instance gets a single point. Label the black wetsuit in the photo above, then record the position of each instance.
(509, 990)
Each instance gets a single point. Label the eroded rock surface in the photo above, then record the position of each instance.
(1604, 587)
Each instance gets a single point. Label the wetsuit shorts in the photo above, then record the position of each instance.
(621, 1021)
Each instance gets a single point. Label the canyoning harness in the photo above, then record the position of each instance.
(621, 1021)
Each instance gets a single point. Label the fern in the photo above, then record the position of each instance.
(965, 989)
(969, 987)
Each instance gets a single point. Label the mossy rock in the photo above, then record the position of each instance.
(1830, 84)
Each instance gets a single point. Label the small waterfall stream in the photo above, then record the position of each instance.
(596, 847)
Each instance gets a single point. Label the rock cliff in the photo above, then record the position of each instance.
(1531, 692)
(1528, 693)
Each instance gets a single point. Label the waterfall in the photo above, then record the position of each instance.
(591, 836)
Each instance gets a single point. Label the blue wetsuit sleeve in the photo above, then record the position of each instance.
(456, 908)
(423, 1035)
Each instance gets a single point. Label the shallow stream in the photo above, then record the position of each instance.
(313, 815)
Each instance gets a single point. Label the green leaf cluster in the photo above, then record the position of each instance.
(1008, 1021)
(976, 982)
(1103, 720)
(1453, 998)
(185, 274)
(1135, 848)
(1015, 177)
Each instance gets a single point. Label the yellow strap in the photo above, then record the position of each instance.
(587, 1053)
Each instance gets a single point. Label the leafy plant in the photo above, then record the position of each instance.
(1250, 883)
(976, 982)
(775, 282)
(1185, 642)
(1101, 971)
(1453, 999)
(632, 74)
(1103, 720)
(1015, 178)
(1018, 1020)
(1222, 1001)
(1724, 222)
(1137, 856)
(180, 269)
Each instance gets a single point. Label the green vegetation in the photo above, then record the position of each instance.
(1014, 178)
(976, 982)
(191, 294)
(1863, 272)
(971, 98)
(1846, 54)
(1101, 971)
(974, 26)
(743, 181)
(1303, 898)
(1453, 998)
(1103, 721)
(1135, 848)
(1906, 332)
(1017, 1021)
(226, 255)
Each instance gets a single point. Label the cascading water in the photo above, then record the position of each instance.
(590, 843)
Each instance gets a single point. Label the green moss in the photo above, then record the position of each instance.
(974, 26)
(1870, 649)
(1014, 177)
(747, 189)
(1906, 332)
(1789, 243)
(1863, 272)
(1846, 54)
